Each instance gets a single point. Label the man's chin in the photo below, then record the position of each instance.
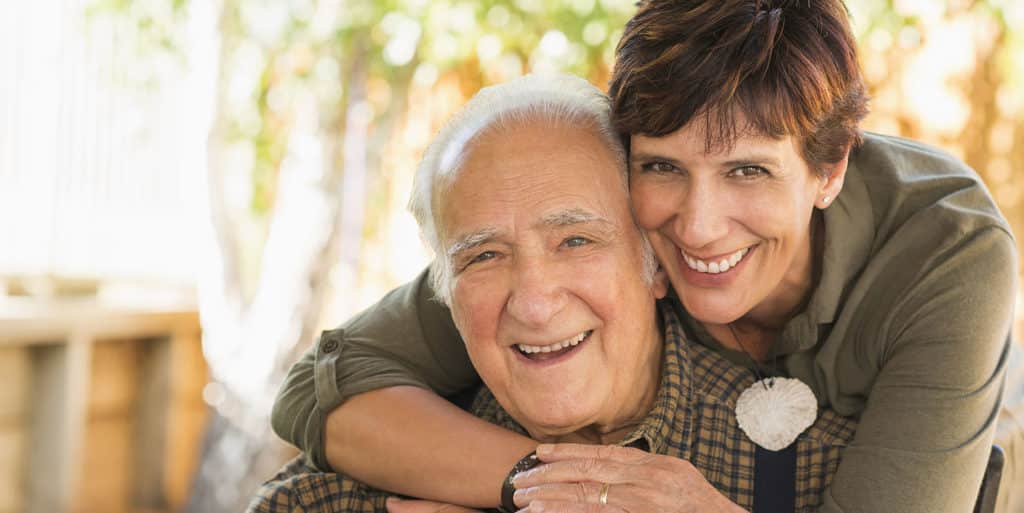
(551, 426)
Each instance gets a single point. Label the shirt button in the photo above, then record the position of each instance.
(330, 345)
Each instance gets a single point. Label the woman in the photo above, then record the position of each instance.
(553, 288)
(876, 271)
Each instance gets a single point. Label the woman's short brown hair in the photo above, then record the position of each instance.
(789, 66)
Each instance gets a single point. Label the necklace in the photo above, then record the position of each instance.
(774, 411)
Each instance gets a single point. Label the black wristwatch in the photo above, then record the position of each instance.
(507, 490)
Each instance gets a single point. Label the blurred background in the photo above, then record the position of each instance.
(190, 190)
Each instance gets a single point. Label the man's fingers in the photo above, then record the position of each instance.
(586, 491)
(569, 507)
(559, 452)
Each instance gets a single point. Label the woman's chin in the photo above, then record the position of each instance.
(719, 311)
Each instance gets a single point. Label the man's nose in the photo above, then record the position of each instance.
(538, 294)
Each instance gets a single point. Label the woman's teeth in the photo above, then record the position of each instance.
(553, 347)
(715, 267)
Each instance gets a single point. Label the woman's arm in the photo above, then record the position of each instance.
(390, 430)
(927, 428)
(411, 441)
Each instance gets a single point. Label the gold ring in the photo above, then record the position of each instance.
(603, 497)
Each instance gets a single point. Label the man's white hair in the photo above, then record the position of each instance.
(536, 98)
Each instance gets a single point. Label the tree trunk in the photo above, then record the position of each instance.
(249, 346)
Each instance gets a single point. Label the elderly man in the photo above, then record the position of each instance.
(523, 198)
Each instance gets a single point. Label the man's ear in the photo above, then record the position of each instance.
(659, 284)
(832, 178)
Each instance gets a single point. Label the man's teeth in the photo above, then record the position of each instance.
(719, 266)
(553, 347)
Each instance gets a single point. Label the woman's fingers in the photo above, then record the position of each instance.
(559, 452)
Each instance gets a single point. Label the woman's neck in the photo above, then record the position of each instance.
(753, 339)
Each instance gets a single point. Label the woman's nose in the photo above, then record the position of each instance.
(701, 219)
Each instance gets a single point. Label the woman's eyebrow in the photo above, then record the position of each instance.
(753, 159)
(640, 157)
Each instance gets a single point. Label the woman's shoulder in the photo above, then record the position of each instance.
(917, 196)
(903, 158)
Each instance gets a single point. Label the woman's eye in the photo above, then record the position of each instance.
(576, 241)
(657, 167)
(748, 172)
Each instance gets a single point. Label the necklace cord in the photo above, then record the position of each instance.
(757, 372)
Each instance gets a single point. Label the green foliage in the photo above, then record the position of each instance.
(277, 48)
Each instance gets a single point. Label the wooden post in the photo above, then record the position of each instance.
(60, 390)
(15, 367)
(152, 426)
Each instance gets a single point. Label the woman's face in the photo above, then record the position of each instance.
(731, 227)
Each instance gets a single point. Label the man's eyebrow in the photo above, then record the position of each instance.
(573, 216)
(471, 240)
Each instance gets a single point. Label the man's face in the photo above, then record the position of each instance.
(548, 288)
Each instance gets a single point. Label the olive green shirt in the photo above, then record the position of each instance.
(907, 328)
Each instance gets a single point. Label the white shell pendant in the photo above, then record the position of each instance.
(774, 411)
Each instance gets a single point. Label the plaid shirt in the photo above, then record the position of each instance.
(693, 418)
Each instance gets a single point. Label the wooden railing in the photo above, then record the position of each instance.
(101, 406)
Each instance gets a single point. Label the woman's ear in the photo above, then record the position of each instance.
(832, 177)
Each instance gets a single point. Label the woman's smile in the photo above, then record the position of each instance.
(719, 271)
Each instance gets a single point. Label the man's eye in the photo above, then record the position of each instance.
(483, 257)
(576, 241)
(657, 167)
(748, 172)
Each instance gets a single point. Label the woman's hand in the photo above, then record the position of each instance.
(396, 505)
(573, 475)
